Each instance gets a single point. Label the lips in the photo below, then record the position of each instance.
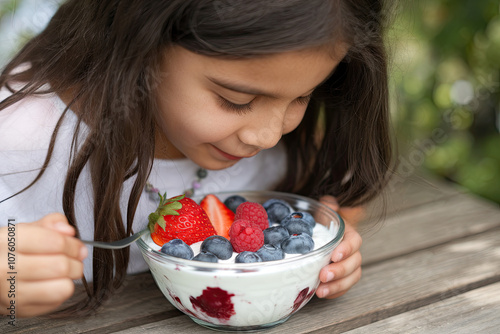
(230, 156)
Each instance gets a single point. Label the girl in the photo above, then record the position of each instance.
(116, 95)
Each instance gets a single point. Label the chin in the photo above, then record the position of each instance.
(215, 165)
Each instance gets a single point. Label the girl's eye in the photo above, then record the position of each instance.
(239, 108)
(304, 99)
(244, 108)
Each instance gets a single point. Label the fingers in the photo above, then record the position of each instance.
(57, 222)
(345, 271)
(35, 298)
(337, 288)
(350, 244)
(342, 269)
(45, 292)
(48, 259)
(35, 239)
(48, 267)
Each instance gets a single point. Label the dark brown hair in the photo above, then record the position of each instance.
(108, 54)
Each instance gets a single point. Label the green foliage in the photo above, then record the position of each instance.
(446, 81)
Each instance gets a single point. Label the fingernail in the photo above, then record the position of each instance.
(329, 276)
(83, 252)
(63, 227)
(338, 257)
(322, 292)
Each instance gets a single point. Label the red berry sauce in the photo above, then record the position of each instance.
(179, 303)
(302, 297)
(215, 303)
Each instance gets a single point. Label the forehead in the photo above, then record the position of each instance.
(287, 74)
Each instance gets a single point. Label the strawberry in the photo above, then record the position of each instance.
(179, 218)
(220, 215)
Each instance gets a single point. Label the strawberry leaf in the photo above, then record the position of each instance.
(161, 223)
(153, 218)
(173, 206)
(177, 198)
(170, 209)
(169, 212)
(162, 199)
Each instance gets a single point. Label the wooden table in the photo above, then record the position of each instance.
(431, 266)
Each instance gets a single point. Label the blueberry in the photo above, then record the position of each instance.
(206, 257)
(268, 203)
(308, 218)
(247, 257)
(275, 235)
(219, 246)
(296, 227)
(271, 253)
(177, 248)
(299, 222)
(277, 209)
(232, 202)
(298, 244)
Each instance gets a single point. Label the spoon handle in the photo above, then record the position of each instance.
(116, 244)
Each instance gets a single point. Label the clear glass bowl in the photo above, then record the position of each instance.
(245, 296)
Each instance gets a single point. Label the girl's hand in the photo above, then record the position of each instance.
(345, 271)
(47, 260)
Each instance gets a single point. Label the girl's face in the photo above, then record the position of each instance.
(217, 111)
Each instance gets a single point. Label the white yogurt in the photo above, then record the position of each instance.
(241, 295)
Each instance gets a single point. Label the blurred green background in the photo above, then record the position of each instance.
(446, 91)
(445, 81)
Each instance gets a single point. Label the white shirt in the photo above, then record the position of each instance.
(25, 132)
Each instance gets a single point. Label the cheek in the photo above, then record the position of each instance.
(196, 121)
(293, 118)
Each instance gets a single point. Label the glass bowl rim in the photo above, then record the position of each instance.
(256, 265)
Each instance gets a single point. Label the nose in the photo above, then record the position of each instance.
(263, 130)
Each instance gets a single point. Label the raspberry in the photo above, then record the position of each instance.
(253, 212)
(246, 236)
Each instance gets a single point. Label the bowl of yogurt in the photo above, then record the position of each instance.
(233, 296)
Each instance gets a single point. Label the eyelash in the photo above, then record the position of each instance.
(239, 108)
(304, 99)
(244, 108)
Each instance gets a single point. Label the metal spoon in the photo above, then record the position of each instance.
(117, 244)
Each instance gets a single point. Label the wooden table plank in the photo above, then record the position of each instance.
(476, 311)
(438, 222)
(386, 289)
(413, 191)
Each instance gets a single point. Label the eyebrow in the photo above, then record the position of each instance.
(250, 90)
(239, 88)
